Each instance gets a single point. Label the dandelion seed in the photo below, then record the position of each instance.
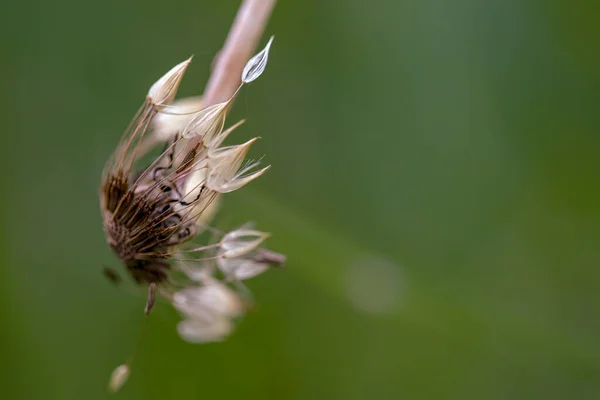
(194, 331)
(257, 64)
(152, 215)
(118, 378)
(207, 303)
(164, 90)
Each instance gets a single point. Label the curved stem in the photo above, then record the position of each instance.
(244, 35)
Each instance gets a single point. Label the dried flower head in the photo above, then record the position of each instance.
(152, 215)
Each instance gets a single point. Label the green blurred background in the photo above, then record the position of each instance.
(434, 185)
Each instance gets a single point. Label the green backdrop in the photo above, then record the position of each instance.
(435, 185)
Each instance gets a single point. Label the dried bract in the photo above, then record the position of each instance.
(207, 123)
(225, 175)
(172, 121)
(118, 378)
(250, 264)
(241, 241)
(164, 90)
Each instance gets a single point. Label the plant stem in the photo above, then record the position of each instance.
(244, 35)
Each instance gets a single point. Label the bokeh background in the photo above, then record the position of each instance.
(435, 184)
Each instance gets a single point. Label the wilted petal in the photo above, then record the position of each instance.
(241, 268)
(118, 378)
(195, 331)
(241, 241)
(207, 123)
(256, 65)
(164, 90)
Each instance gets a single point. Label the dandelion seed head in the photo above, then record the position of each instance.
(257, 64)
(153, 214)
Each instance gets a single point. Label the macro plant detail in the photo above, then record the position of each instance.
(152, 215)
